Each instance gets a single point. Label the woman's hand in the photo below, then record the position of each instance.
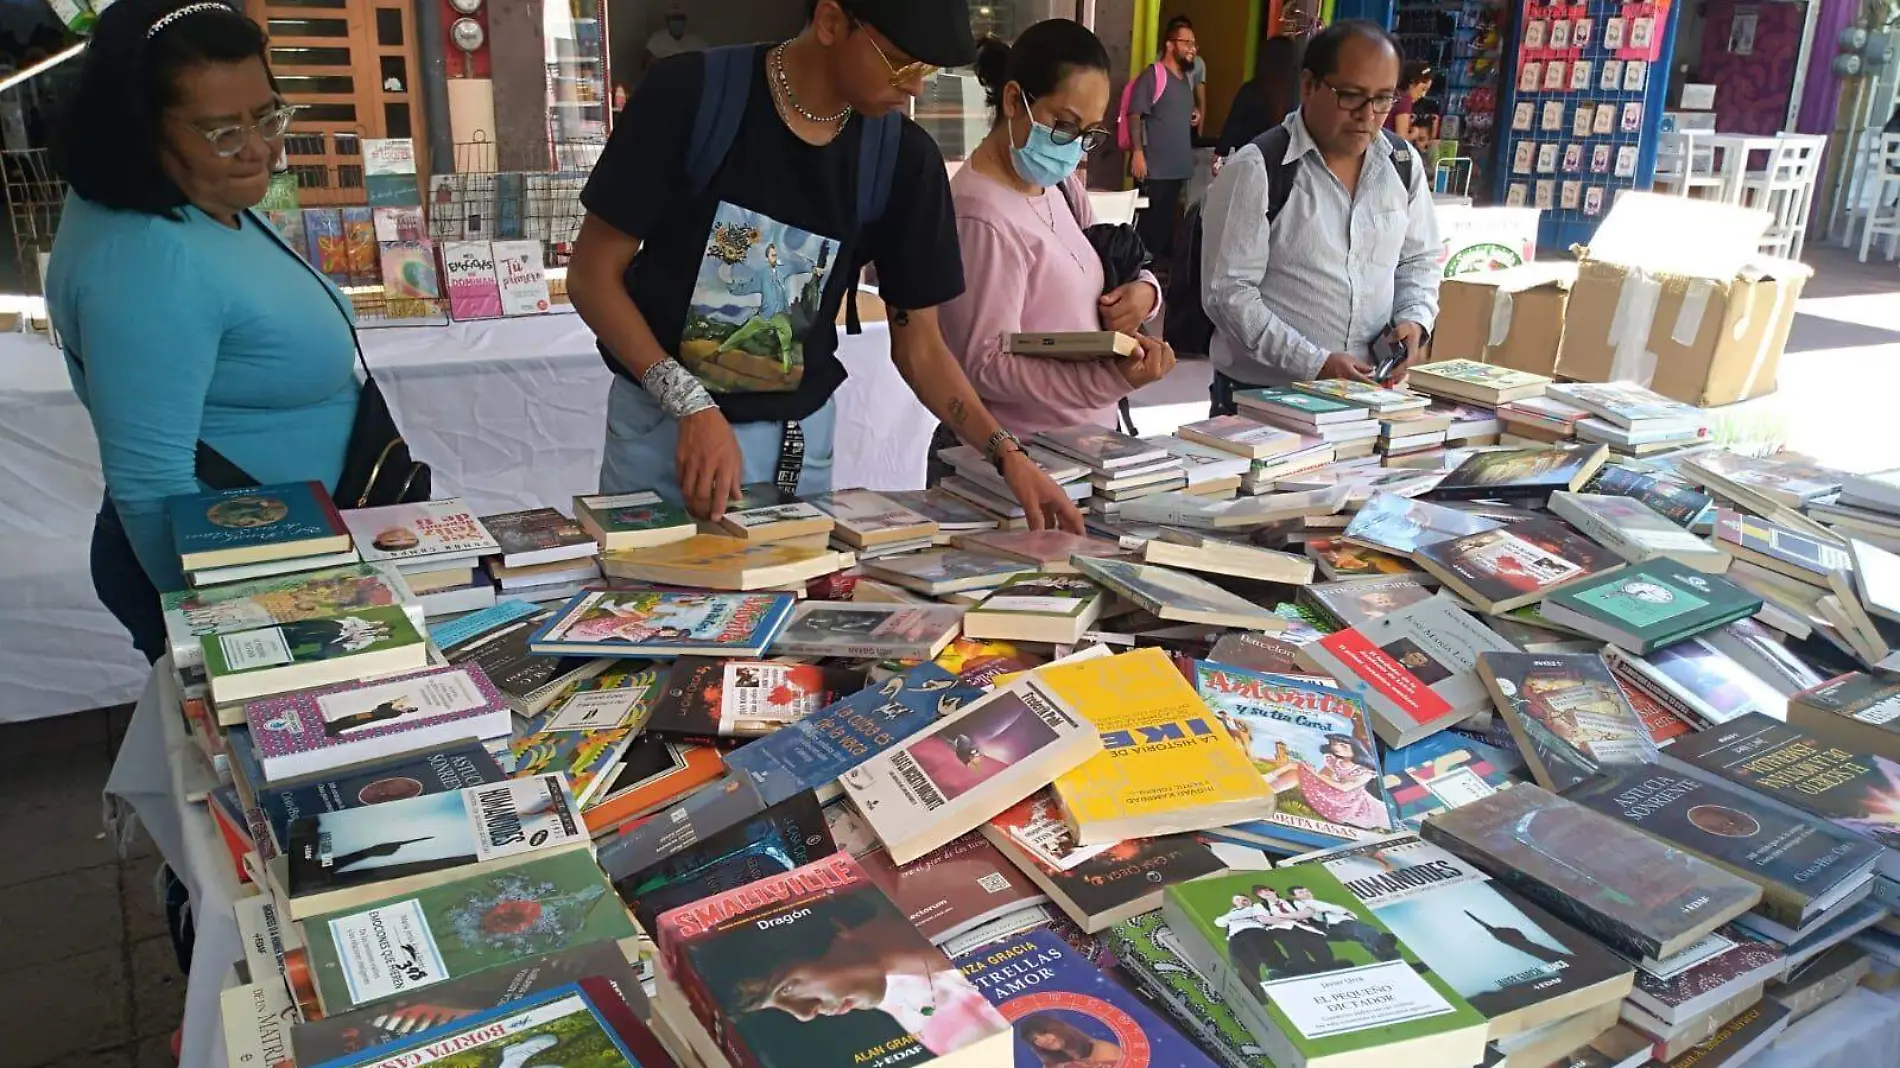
(1124, 309)
(709, 464)
(1148, 366)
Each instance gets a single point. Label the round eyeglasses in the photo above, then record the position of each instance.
(228, 141)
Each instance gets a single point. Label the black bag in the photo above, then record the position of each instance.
(1124, 256)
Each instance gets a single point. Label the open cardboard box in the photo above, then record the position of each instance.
(1511, 318)
(1672, 294)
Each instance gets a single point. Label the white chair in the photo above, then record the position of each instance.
(1785, 189)
(1682, 168)
(1114, 208)
(1884, 182)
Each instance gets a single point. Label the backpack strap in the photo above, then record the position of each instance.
(1161, 83)
(722, 100)
(1401, 158)
(1280, 170)
(877, 165)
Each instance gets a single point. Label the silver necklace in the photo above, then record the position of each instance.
(791, 99)
(1049, 219)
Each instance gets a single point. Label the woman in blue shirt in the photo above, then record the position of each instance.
(183, 317)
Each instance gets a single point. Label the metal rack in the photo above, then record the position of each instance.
(35, 197)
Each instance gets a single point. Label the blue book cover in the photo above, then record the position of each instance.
(443, 771)
(831, 741)
(510, 195)
(785, 837)
(1064, 1011)
(1442, 772)
(236, 520)
(580, 1024)
(462, 628)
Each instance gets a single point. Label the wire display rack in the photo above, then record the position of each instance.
(35, 197)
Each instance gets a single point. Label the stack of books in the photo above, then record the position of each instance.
(1867, 507)
(1349, 429)
(234, 535)
(977, 483)
(438, 547)
(1120, 468)
(1632, 420)
(1542, 419)
(545, 556)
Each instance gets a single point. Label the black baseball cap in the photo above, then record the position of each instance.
(936, 32)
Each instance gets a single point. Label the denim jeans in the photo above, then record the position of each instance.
(120, 583)
(642, 443)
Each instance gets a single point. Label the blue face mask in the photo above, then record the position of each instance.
(1041, 162)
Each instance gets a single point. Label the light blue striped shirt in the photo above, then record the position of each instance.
(1330, 273)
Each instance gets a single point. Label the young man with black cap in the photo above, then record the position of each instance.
(752, 184)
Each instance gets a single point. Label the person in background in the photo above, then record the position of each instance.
(1021, 213)
(672, 39)
(1264, 101)
(1164, 138)
(668, 277)
(1197, 80)
(1352, 255)
(184, 318)
(1414, 82)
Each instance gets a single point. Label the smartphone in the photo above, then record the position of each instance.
(1388, 352)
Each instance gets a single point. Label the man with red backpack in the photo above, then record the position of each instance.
(1157, 125)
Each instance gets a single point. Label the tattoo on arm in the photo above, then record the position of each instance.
(959, 411)
(900, 317)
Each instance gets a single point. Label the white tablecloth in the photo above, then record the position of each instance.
(1861, 1030)
(508, 412)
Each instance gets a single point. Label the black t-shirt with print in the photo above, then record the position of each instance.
(743, 283)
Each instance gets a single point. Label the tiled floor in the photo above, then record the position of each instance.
(87, 975)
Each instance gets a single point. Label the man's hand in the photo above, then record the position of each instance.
(709, 464)
(1194, 118)
(1412, 336)
(1042, 500)
(1124, 309)
(1345, 365)
(1139, 166)
(1148, 366)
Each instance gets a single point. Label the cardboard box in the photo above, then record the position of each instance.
(1672, 295)
(1512, 318)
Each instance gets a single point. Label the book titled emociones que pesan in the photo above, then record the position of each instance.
(730, 957)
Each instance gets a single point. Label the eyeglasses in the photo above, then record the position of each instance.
(1186, 42)
(1354, 100)
(1064, 132)
(905, 74)
(228, 141)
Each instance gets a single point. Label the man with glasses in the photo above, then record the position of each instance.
(1164, 137)
(753, 183)
(1320, 236)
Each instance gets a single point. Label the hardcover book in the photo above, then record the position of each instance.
(815, 751)
(1635, 531)
(1681, 987)
(1166, 766)
(1858, 712)
(708, 700)
(1400, 525)
(1567, 714)
(193, 614)
(364, 956)
(538, 536)
(1442, 772)
(254, 525)
(436, 533)
(1680, 504)
(1804, 865)
(1181, 598)
(1499, 570)
(468, 271)
(316, 730)
(732, 956)
(1529, 472)
(968, 767)
(665, 625)
(785, 836)
(445, 770)
(341, 858)
(633, 521)
(1636, 893)
(320, 1041)
(1311, 746)
(1650, 605)
(1515, 963)
(868, 631)
(1060, 1006)
(1415, 669)
(248, 664)
(1356, 601)
(1290, 946)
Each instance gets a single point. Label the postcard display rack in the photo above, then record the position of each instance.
(1583, 101)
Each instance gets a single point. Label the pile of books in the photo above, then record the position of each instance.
(1436, 754)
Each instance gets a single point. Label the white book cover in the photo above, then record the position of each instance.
(864, 513)
(523, 278)
(446, 530)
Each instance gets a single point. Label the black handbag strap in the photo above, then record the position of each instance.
(335, 296)
(209, 466)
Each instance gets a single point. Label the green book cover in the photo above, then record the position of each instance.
(1287, 398)
(1312, 970)
(1658, 602)
(1148, 951)
(404, 944)
(308, 641)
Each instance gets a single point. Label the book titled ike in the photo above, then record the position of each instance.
(962, 770)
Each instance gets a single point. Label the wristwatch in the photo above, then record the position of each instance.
(1001, 444)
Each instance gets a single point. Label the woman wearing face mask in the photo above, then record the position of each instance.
(1027, 266)
(184, 318)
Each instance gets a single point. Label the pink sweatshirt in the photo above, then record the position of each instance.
(1029, 269)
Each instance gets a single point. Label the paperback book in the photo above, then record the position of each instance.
(1633, 530)
(1650, 605)
(521, 276)
(1357, 601)
(765, 513)
(1681, 504)
(1526, 472)
(1364, 395)
(1566, 713)
(1679, 988)
(1103, 450)
(947, 892)
(785, 836)
(651, 774)
(1856, 711)
(706, 699)
(468, 271)
(632, 521)
(1507, 568)
(1481, 383)
(1402, 526)
(1052, 608)
(868, 631)
(1339, 559)
(318, 730)
(867, 519)
(1174, 596)
(665, 625)
(538, 536)
(1636, 893)
(256, 524)
(1698, 682)
(714, 562)
(1148, 952)
(193, 614)
(436, 533)
(496, 640)
(1442, 772)
(248, 664)
(447, 769)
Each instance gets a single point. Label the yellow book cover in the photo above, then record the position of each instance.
(713, 555)
(1167, 764)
